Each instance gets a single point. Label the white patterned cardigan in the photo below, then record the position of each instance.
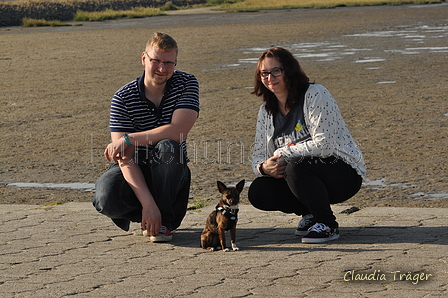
(329, 133)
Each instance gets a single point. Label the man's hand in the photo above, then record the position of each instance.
(151, 220)
(114, 151)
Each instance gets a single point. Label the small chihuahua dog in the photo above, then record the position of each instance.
(222, 219)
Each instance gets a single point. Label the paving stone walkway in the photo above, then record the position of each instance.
(71, 250)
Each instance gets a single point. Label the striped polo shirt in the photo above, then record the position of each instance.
(131, 111)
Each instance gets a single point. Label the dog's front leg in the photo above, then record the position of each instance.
(233, 237)
(222, 238)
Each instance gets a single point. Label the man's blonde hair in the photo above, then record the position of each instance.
(162, 42)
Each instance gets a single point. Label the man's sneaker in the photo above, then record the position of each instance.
(320, 233)
(305, 224)
(163, 236)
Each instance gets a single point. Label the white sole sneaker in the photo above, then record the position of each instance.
(163, 236)
(320, 233)
(320, 240)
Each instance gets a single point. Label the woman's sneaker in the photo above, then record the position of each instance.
(305, 224)
(163, 236)
(320, 233)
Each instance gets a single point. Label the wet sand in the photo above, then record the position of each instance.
(386, 67)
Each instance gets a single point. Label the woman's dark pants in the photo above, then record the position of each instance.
(309, 185)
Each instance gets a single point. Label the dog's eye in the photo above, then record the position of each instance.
(228, 197)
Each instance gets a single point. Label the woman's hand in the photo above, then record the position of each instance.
(275, 166)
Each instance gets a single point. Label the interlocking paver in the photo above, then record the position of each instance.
(70, 250)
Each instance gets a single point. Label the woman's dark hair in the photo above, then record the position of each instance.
(297, 82)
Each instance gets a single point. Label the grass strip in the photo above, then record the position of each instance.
(27, 22)
(109, 14)
(254, 5)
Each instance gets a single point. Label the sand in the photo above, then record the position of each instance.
(386, 67)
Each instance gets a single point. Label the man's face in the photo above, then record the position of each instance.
(159, 66)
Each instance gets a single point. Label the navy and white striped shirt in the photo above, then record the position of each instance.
(131, 111)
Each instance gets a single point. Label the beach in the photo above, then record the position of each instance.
(385, 66)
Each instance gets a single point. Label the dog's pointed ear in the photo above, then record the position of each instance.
(240, 185)
(221, 186)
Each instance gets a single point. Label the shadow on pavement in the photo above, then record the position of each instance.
(283, 238)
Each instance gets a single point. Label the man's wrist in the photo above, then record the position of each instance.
(126, 139)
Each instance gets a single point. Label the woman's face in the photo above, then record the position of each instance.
(272, 76)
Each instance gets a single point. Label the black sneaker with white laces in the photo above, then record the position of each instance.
(320, 233)
(305, 224)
